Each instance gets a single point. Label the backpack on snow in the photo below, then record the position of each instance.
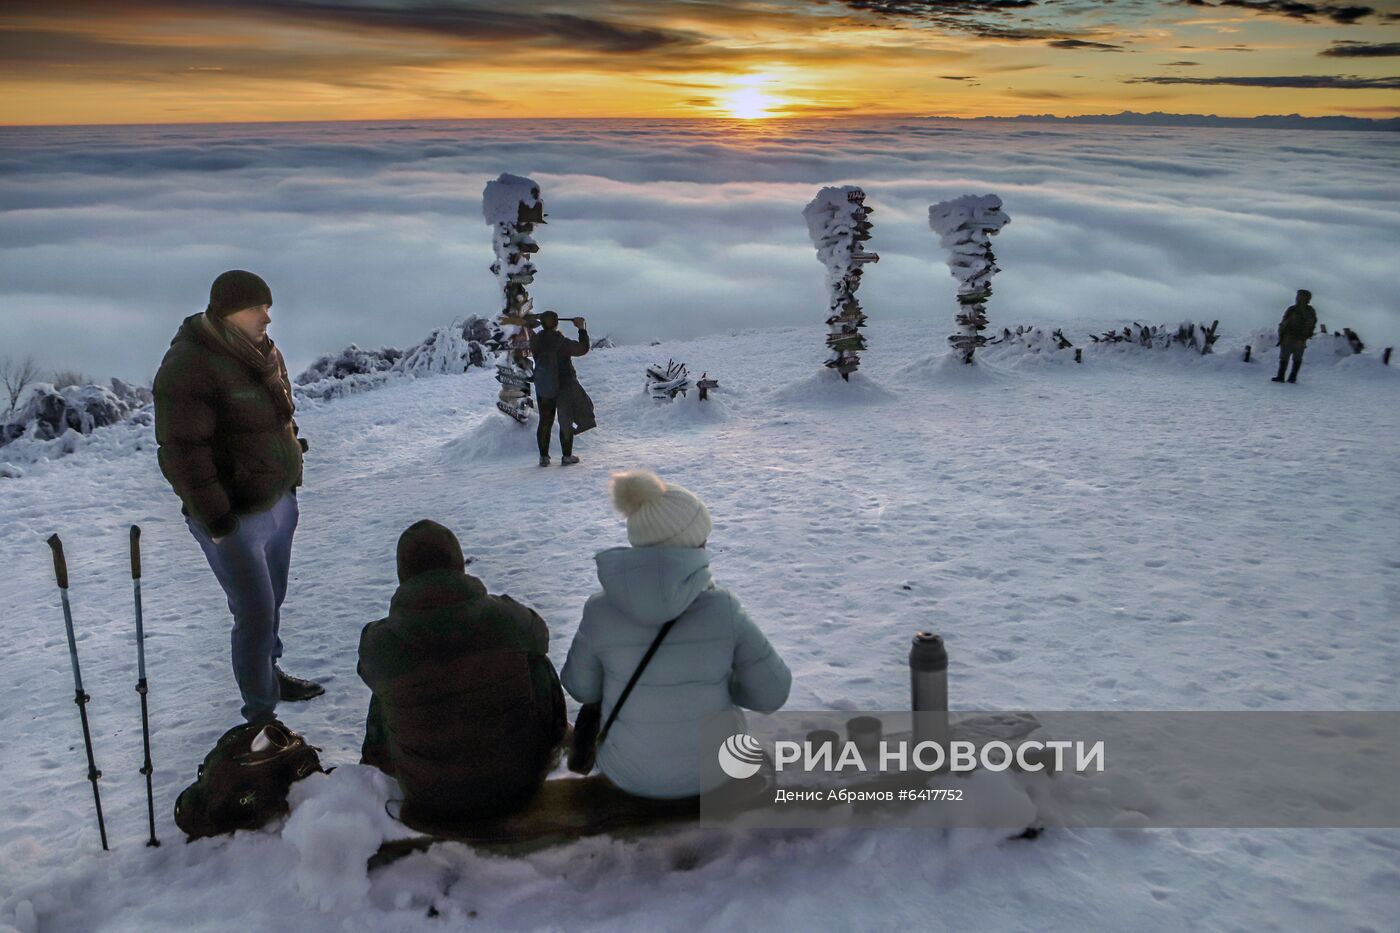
(243, 781)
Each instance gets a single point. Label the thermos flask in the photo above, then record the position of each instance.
(928, 675)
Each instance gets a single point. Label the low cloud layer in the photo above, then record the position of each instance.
(372, 233)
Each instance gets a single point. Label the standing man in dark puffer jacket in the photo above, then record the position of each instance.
(466, 709)
(229, 447)
(557, 389)
(1294, 331)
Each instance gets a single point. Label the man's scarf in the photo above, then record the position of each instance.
(264, 359)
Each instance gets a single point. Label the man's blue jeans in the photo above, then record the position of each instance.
(251, 565)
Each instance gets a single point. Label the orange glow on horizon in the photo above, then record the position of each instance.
(220, 64)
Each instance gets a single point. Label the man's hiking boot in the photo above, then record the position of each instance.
(544, 460)
(566, 461)
(293, 689)
(1276, 379)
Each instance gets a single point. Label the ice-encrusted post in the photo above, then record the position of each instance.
(512, 206)
(839, 224)
(965, 227)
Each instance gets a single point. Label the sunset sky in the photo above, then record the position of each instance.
(178, 61)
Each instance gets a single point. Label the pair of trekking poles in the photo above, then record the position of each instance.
(60, 569)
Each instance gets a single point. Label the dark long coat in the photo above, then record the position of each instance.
(556, 378)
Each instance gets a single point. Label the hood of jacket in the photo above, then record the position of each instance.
(188, 332)
(428, 607)
(654, 584)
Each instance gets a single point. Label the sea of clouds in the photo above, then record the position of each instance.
(372, 233)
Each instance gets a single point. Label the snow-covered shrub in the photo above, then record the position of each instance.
(352, 361)
(51, 423)
(328, 389)
(133, 396)
(446, 350)
(48, 412)
(115, 441)
(1187, 335)
(838, 223)
(1338, 344)
(664, 383)
(1031, 338)
(451, 349)
(965, 227)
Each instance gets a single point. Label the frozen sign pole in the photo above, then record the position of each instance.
(839, 224)
(512, 206)
(965, 227)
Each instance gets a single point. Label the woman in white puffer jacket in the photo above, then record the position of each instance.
(714, 660)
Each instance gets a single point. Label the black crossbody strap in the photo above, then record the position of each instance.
(636, 675)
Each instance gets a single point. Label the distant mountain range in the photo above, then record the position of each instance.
(1290, 121)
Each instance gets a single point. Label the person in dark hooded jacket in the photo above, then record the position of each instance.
(230, 449)
(1294, 331)
(466, 709)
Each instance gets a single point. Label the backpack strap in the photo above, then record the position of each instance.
(636, 675)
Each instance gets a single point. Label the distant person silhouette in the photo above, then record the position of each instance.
(1297, 327)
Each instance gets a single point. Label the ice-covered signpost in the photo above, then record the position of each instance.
(512, 206)
(839, 224)
(965, 227)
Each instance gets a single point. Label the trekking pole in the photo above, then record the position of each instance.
(146, 768)
(60, 569)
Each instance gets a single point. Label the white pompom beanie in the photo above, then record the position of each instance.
(659, 514)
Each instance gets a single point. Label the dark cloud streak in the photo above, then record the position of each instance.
(1342, 14)
(1085, 45)
(1362, 50)
(523, 22)
(1335, 82)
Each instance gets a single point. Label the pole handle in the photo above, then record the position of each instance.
(60, 564)
(135, 552)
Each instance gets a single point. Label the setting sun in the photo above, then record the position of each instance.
(749, 100)
(750, 104)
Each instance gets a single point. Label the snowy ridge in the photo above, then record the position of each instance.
(457, 348)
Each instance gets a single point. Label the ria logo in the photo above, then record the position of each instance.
(740, 756)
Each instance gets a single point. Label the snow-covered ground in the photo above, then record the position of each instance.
(1148, 530)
